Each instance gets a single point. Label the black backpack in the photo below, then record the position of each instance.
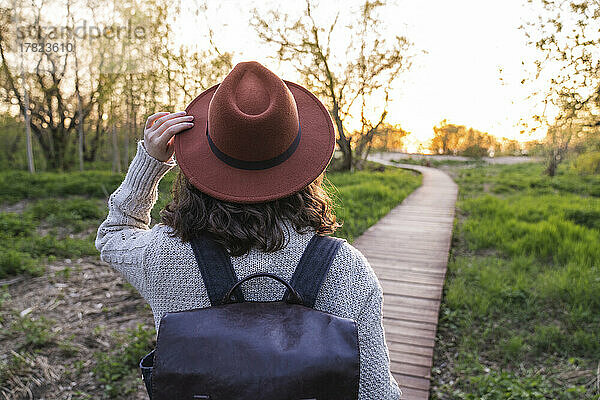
(280, 350)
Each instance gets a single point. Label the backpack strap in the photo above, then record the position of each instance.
(216, 269)
(313, 267)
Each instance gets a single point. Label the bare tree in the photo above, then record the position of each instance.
(568, 40)
(55, 109)
(64, 96)
(348, 85)
(26, 116)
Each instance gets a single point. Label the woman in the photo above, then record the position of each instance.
(252, 153)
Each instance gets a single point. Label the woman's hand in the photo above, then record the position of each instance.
(159, 132)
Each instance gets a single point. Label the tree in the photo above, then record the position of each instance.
(389, 137)
(351, 84)
(510, 146)
(55, 103)
(445, 139)
(567, 38)
(99, 92)
(458, 140)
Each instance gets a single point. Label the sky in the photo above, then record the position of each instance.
(468, 69)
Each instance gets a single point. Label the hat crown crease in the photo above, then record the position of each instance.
(251, 97)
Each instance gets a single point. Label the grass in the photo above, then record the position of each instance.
(24, 248)
(20, 185)
(33, 334)
(62, 211)
(521, 310)
(114, 369)
(364, 197)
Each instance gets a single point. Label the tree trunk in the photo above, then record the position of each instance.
(126, 144)
(91, 147)
(552, 165)
(346, 156)
(80, 132)
(30, 162)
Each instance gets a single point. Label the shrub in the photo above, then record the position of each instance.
(13, 262)
(547, 338)
(13, 224)
(117, 370)
(35, 333)
(587, 163)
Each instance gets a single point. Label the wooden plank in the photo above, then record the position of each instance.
(428, 326)
(399, 286)
(411, 349)
(408, 276)
(406, 262)
(417, 371)
(407, 254)
(416, 302)
(412, 268)
(412, 382)
(408, 250)
(404, 329)
(414, 394)
(410, 358)
(406, 313)
(407, 289)
(426, 315)
(408, 339)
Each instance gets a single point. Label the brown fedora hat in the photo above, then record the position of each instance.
(256, 138)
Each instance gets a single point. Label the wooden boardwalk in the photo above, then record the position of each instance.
(408, 249)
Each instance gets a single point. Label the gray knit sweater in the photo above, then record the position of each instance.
(163, 269)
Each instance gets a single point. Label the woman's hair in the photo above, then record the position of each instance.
(240, 227)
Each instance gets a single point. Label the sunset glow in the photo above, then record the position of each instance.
(471, 59)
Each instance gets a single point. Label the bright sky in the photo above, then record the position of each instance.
(470, 45)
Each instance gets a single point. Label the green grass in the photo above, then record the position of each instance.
(24, 249)
(521, 300)
(63, 210)
(32, 333)
(526, 178)
(114, 369)
(364, 197)
(20, 185)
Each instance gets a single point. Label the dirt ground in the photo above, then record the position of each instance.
(86, 302)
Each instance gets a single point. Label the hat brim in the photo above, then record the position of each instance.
(216, 178)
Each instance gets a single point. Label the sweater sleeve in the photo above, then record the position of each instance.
(376, 379)
(124, 236)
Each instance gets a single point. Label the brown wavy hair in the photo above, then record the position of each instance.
(240, 227)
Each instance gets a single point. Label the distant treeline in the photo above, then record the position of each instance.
(458, 140)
